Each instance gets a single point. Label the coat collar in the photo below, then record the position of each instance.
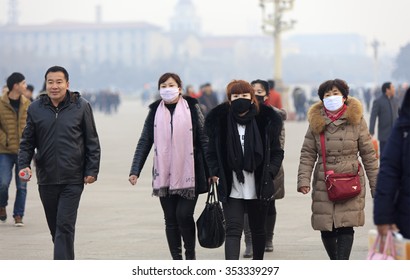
(318, 120)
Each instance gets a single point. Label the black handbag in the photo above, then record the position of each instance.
(211, 222)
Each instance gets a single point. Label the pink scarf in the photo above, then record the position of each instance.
(173, 171)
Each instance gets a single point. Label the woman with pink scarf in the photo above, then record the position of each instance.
(175, 126)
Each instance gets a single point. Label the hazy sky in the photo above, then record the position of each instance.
(381, 19)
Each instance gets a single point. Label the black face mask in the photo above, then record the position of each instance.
(260, 98)
(241, 105)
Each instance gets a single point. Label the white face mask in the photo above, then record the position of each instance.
(168, 94)
(334, 102)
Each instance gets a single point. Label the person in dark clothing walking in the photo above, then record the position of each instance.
(385, 109)
(175, 126)
(392, 198)
(60, 125)
(244, 156)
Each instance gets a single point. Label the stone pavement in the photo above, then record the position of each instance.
(117, 221)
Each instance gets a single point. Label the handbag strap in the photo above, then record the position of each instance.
(212, 196)
(389, 246)
(322, 144)
(323, 147)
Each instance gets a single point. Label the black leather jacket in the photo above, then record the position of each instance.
(66, 140)
(200, 141)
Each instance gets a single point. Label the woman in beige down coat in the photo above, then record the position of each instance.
(347, 138)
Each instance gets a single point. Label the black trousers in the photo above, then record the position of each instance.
(179, 222)
(60, 203)
(234, 210)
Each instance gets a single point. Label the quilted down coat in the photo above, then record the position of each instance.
(11, 124)
(348, 144)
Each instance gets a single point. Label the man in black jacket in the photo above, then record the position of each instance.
(60, 125)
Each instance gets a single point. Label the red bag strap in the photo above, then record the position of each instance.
(322, 144)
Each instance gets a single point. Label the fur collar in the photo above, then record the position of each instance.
(216, 119)
(318, 120)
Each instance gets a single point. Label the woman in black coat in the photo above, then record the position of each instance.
(175, 126)
(244, 155)
(392, 198)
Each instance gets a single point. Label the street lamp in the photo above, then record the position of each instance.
(273, 25)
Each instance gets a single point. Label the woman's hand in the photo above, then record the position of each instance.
(133, 179)
(304, 189)
(213, 179)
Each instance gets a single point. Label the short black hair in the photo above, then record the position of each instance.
(271, 83)
(54, 69)
(30, 88)
(385, 86)
(13, 79)
(328, 86)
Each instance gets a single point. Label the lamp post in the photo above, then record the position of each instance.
(375, 46)
(273, 25)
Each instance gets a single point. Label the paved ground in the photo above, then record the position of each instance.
(118, 221)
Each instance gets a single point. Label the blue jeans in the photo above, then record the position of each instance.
(7, 161)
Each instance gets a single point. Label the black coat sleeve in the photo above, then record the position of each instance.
(144, 145)
(91, 144)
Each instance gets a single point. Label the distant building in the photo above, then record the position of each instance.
(130, 44)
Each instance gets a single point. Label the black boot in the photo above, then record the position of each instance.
(248, 238)
(344, 246)
(174, 243)
(270, 226)
(331, 247)
(188, 235)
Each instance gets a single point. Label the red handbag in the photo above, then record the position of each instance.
(340, 186)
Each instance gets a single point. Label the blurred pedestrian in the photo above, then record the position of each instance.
(208, 99)
(60, 125)
(385, 110)
(13, 114)
(347, 137)
(175, 126)
(190, 91)
(29, 92)
(244, 155)
(392, 199)
(299, 100)
(275, 99)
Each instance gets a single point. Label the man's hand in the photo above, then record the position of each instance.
(23, 172)
(89, 180)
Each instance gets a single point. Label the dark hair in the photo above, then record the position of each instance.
(166, 76)
(13, 79)
(271, 83)
(328, 86)
(241, 86)
(385, 86)
(30, 88)
(263, 83)
(54, 69)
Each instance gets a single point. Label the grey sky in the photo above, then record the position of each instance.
(381, 19)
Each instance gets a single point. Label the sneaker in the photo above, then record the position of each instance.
(3, 214)
(18, 221)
